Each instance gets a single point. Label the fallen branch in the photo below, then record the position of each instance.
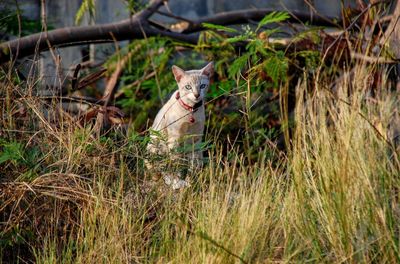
(244, 16)
(69, 36)
(89, 79)
(138, 27)
(74, 81)
(109, 92)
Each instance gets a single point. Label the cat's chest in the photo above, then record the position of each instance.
(185, 122)
(190, 122)
(188, 127)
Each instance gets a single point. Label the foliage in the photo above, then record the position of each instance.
(12, 25)
(151, 58)
(219, 27)
(260, 66)
(330, 196)
(15, 155)
(256, 50)
(87, 6)
(273, 17)
(134, 6)
(12, 151)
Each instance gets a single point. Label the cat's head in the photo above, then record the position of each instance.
(193, 85)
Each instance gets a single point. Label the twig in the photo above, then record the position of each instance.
(391, 146)
(74, 82)
(91, 78)
(110, 91)
(158, 25)
(369, 6)
(56, 58)
(136, 83)
(370, 59)
(85, 100)
(204, 236)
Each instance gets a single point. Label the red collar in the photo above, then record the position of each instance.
(186, 106)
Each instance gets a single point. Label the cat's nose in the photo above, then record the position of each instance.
(196, 95)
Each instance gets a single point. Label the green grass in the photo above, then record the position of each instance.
(331, 197)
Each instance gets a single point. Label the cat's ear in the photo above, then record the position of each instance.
(208, 70)
(178, 73)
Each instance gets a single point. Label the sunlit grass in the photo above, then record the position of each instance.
(332, 197)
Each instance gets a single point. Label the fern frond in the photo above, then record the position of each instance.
(238, 65)
(273, 17)
(86, 6)
(276, 67)
(218, 27)
(237, 39)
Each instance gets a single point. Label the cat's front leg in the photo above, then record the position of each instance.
(173, 176)
(171, 179)
(195, 159)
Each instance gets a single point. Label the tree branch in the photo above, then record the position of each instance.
(243, 16)
(70, 36)
(138, 27)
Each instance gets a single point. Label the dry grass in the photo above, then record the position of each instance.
(332, 198)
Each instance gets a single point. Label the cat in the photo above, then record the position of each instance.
(180, 124)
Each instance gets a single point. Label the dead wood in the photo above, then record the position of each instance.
(69, 36)
(138, 27)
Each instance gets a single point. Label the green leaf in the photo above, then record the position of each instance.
(276, 67)
(218, 27)
(269, 32)
(311, 58)
(273, 17)
(238, 65)
(12, 151)
(255, 46)
(236, 39)
(86, 6)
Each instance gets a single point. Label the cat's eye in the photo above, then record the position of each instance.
(188, 87)
(203, 86)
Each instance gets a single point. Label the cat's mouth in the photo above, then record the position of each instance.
(192, 100)
(197, 100)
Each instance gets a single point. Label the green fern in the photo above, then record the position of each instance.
(238, 65)
(273, 17)
(12, 151)
(276, 67)
(237, 39)
(218, 27)
(86, 6)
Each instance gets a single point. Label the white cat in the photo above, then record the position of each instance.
(180, 123)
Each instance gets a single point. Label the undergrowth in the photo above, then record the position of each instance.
(331, 195)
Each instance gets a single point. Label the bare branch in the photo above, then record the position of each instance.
(139, 26)
(70, 36)
(243, 16)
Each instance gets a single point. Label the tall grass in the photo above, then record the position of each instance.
(332, 197)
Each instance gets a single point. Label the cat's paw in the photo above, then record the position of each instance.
(175, 182)
(179, 184)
